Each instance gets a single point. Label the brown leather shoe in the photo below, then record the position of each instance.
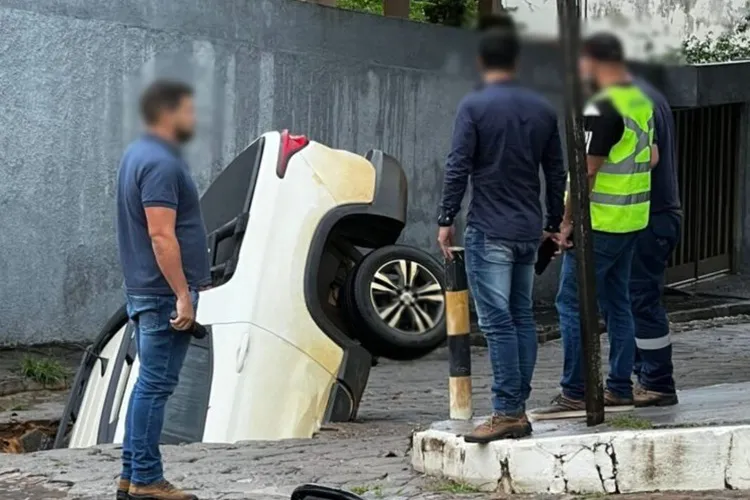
(527, 422)
(499, 427)
(561, 407)
(162, 490)
(614, 404)
(643, 398)
(122, 490)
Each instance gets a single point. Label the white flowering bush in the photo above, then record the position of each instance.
(731, 45)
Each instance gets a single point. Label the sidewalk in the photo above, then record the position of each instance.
(370, 457)
(723, 296)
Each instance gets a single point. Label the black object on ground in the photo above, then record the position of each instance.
(318, 492)
(197, 330)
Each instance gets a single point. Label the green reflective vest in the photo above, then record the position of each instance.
(620, 198)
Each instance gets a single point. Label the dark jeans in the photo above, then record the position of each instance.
(161, 353)
(613, 256)
(653, 360)
(501, 280)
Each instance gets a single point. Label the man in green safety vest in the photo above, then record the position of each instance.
(620, 152)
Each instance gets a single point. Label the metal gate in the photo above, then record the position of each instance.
(708, 157)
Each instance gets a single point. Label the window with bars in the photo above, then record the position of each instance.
(708, 148)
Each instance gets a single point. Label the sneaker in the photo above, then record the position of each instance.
(561, 407)
(162, 490)
(643, 398)
(615, 404)
(122, 490)
(499, 427)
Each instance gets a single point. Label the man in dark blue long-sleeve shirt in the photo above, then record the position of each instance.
(503, 133)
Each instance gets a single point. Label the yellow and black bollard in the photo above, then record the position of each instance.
(459, 327)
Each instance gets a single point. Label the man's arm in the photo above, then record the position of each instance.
(160, 187)
(603, 127)
(653, 140)
(553, 168)
(459, 164)
(654, 155)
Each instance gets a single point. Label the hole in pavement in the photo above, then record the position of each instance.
(27, 436)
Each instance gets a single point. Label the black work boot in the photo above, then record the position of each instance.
(643, 398)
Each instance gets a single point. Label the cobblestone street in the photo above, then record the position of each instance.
(371, 456)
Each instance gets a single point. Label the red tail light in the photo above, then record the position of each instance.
(290, 145)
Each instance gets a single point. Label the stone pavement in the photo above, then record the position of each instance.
(370, 456)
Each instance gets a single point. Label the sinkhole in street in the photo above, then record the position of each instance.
(28, 436)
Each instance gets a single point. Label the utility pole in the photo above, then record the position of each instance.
(569, 18)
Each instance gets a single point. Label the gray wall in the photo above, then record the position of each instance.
(71, 74)
(72, 71)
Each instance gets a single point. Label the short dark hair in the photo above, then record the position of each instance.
(499, 47)
(160, 96)
(603, 47)
(502, 19)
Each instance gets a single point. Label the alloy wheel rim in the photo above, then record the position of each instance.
(407, 296)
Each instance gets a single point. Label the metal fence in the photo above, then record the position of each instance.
(708, 146)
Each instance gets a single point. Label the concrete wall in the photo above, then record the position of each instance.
(72, 71)
(650, 28)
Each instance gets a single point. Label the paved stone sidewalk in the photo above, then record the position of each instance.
(370, 456)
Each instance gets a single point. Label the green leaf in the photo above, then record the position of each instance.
(447, 12)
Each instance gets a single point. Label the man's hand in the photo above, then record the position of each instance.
(445, 240)
(547, 235)
(563, 237)
(185, 314)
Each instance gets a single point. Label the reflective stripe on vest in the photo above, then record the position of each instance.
(625, 166)
(619, 199)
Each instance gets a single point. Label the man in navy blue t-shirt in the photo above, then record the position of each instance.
(502, 135)
(164, 257)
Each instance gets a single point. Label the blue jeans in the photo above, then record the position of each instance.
(653, 357)
(501, 280)
(613, 256)
(161, 353)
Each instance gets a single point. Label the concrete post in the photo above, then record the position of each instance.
(458, 326)
(396, 8)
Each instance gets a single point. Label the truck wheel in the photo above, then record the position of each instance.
(397, 293)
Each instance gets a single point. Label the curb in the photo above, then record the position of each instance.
(16, 385)
(545, 333)
(694, 459)
(711, 312)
